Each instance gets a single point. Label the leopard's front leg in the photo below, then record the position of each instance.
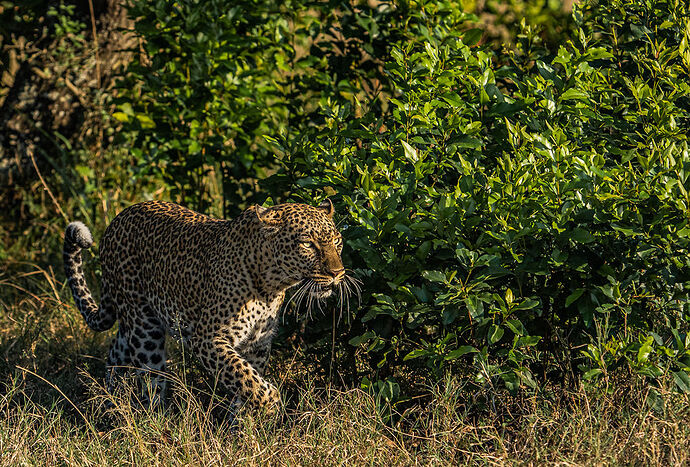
(234, 373)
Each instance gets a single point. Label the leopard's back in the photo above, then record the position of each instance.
(155, 252)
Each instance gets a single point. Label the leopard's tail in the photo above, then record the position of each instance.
(77, 237)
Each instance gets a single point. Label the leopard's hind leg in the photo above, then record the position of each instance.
(139, 347)
(119, 360)
(147, 351)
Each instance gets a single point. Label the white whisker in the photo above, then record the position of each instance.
(295, 298)
(314, 294)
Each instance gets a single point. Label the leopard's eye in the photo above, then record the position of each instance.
(307, 244)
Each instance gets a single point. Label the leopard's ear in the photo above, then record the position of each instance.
(327, 207)
(260, 211)
(263, 214)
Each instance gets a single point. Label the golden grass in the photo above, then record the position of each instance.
(53, 412)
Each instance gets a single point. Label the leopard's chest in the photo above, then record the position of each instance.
(256, 322)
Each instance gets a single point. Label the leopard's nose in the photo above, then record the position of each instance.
(337, 273)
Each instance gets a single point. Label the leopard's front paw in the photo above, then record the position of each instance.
(271, 399)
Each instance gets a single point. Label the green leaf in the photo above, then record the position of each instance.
(469, 142)
(146, 121)
(434, 276)
(423, 250)
(416, 353)
(528, 341)
(449, 315)
(573, 297)
(472, 37)
(402, 228)
(509, 296)
(516, 326)
(574, 94)
(682, 381)
(581, 235)
(645, 350)
(511, 381)
(410, 152)
(121, 116)
(453, 99)
(460, 351)
(397, 55)
(597, 53)
(84, 170)
(357, 340)
(475, 307)
(495, 334)
(527, 304)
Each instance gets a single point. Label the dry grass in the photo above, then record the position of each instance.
(53, 412)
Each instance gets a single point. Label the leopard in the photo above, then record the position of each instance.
(215, 285)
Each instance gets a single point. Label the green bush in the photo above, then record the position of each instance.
(523, 216)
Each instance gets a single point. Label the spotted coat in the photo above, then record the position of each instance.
(215, 284)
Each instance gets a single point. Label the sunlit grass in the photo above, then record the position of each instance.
(54, 410)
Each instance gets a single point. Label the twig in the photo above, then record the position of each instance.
(76, 91)
(330, 369)
(95, 43)
(287, 372)
(45, 185)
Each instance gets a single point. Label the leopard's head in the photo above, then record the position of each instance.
(306, 247)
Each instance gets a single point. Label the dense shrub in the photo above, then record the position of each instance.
(527, 215)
